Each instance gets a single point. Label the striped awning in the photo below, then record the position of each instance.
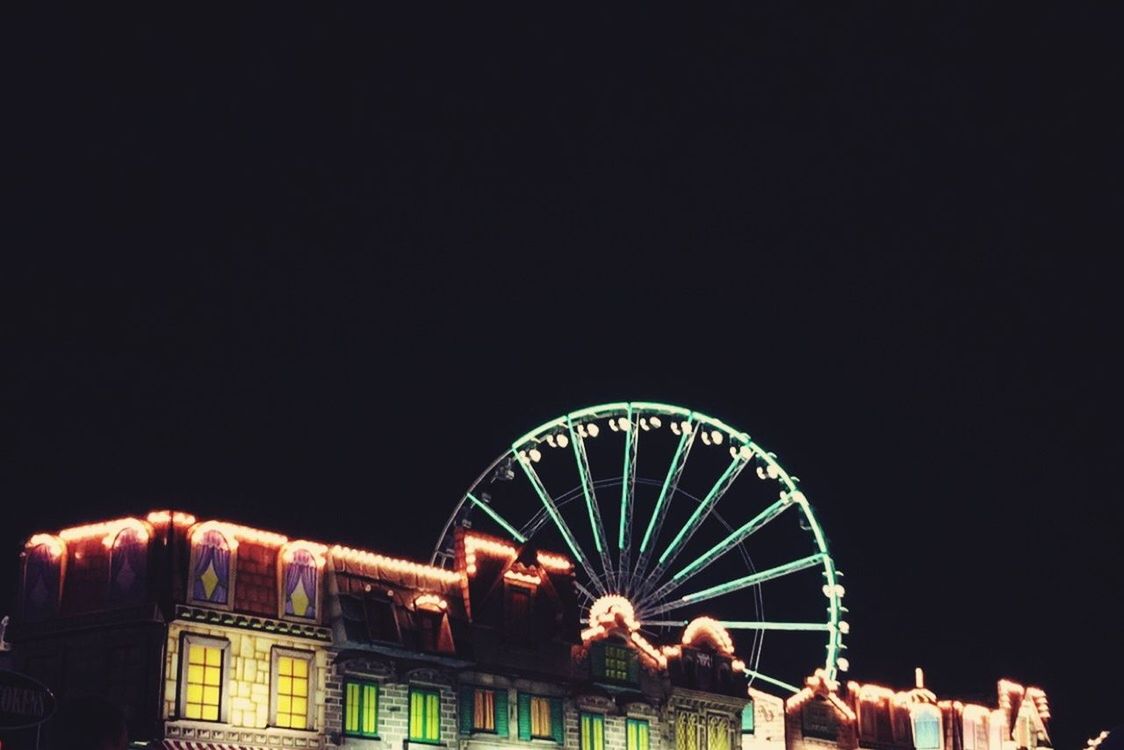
(189, 745)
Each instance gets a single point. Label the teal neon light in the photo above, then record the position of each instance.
(497, 518)
(753, 579)
(642, 584)
(670, 482)
(739, 535)
(708, 502)
(751, 625)
(552, 510)
(628, 483)
(582, 461)
(772, 680)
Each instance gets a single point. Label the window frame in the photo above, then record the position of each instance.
(631, 721)
(596, 720)
(361, 684)
(549, 713)
(187, 640)
(476, 690)
(318, 588)
(422, 690)
(276, 653)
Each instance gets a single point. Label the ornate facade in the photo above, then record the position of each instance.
(212, 634)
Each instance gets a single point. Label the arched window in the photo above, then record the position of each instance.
(128, 565)
(211, 568)
(926, 727)
(300, 579)
(42, 576)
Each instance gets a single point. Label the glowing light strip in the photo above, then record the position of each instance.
(595, 523)
(628, 486)
(235, 534)
(553, 562)
(752, 625)
(104, 529)
(771, 680)
(512, 575)
(752, 579)
(347, 554)
(431, 602)
(315, 549)
(552, 510)
(706, 626)
(55, 546)
(739, 535)
(712, 497)
(161, 517)
(497, 518)
(670, 483)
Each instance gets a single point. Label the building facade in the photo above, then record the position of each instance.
(213, 634)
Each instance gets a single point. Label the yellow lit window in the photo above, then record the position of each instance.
(292, 692)
(361, 711)
(425, 715)
(203, 683)
(636, 734)
(592, 730)
(540, 717)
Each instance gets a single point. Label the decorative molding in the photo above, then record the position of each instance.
(266, 738)
(248, 622)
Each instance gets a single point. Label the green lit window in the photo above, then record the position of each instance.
(616, 663)
(361, 709)
(425, 715)
(747, 718)
(637, 734)
(592, 732)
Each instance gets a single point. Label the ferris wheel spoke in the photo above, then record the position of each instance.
(670, 484)
(487, 508)
(757, 625)
(563, 528)
(737, 584)
(739, 535)
(705, 507)
(628, 493)
(595, 523)
(771, 680)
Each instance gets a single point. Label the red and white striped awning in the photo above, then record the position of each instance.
(188, 745)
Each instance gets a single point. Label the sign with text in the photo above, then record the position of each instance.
(24, 702)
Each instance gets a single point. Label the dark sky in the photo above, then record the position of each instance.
(315, 272)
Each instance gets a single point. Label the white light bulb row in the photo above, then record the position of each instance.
(837, 590)
(744, 453)
(557, 441)
(769, 471)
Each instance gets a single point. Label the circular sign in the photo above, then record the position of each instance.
(24, 702)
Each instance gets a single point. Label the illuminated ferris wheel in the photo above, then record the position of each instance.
(702, 521)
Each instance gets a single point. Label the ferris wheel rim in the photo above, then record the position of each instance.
(746, 450)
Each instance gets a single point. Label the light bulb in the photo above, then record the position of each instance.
(613, 425)
(644, 424)
(563, 441)
(761, 472)
(625, 424)
(843, 664)
(594, 429)
(772, 471)
(706, 437)
(747, 453)
(536, 455)
(685, 426)
(675, 427)
(550, 440)
(733, 452)
(844, 627)
(716, 436)
(656, 422)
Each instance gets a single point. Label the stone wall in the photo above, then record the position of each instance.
(247, 689)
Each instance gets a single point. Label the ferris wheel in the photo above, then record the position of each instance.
(702, 521)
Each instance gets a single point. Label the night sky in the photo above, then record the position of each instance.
(314, 273)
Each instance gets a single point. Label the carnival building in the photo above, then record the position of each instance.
(214, 634)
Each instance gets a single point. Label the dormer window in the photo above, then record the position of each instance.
(42, 576)
(128, 565)
(212, 568)
(614, 663)
(926, 727)
(300, 580)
